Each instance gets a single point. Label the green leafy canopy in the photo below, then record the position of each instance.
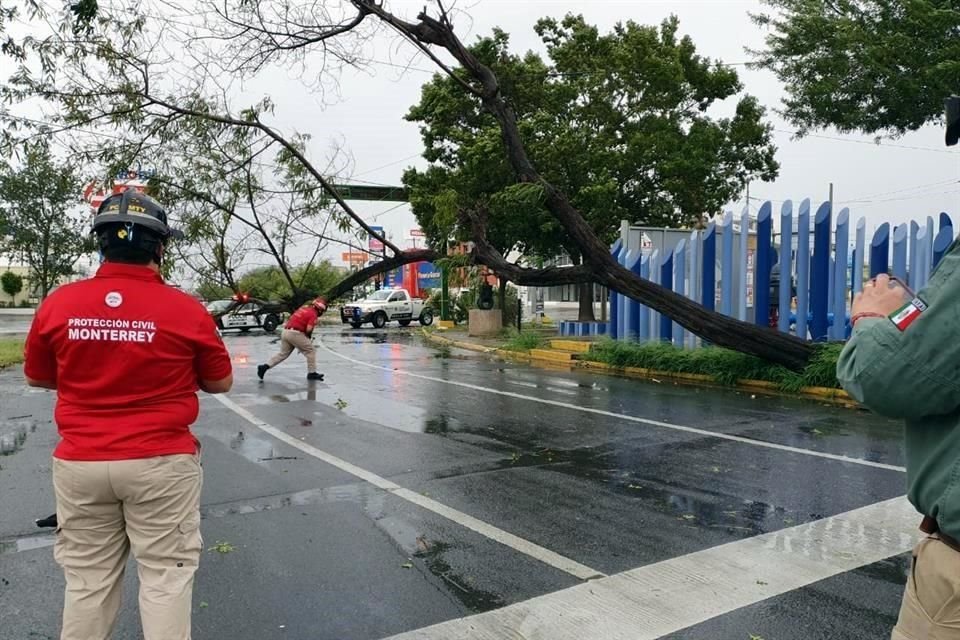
(620, 122)
(877, 66)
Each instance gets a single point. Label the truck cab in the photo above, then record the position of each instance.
(386, 305)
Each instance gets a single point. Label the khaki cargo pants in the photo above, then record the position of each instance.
(290, 340)
(106, 509)
(931, 602)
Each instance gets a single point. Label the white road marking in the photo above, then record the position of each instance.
(517, 543)
(621, 416)
(663, 598)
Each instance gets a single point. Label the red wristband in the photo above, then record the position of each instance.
(865, 314)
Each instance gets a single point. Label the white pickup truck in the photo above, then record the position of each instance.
(384, 306)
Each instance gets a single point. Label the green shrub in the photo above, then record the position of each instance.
(724, 365)
(523, 340)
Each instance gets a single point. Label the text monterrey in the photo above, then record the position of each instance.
(111, 330)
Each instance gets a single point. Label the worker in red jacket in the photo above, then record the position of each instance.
(126, 355)
(298, 334)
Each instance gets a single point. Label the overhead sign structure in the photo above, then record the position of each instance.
(371, 192)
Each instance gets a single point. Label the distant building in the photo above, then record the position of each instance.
(85, 267)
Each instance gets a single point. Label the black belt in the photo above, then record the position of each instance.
(930, 527)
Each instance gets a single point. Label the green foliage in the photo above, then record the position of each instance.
(11, 352)
(211, 290)
(725, 366)
(524, 340)
(878, 66)
(40, 215)
(617, 121)
(11, 283)
(269, 283)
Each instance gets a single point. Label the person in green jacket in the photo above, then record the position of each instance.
(903, 361)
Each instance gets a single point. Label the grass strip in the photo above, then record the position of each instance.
(723, 365)
(11, 352)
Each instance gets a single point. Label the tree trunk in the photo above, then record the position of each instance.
(506, 314)
(586, 303)
(714, 327)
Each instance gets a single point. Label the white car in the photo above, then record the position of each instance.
(384, 306)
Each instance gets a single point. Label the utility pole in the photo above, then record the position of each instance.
(831, 198)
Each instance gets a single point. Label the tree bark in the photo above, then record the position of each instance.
(714, 327)
(586, 303)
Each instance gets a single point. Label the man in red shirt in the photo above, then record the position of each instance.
(298, 334)
(126, 355)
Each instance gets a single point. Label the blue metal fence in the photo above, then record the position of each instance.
(729, 266)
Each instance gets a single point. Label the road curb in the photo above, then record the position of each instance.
(837, 397)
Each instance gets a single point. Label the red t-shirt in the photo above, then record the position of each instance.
(303, 320)
(125, 351)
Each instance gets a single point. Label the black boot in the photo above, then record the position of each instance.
(313, 375)
(262, 369)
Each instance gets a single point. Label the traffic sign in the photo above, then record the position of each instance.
(417, 233)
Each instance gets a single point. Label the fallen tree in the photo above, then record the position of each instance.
(121, 87)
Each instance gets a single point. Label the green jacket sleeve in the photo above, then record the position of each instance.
(913, 373)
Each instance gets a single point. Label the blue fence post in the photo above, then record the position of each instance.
(742, 259)
(946, 230)
(820, 273)
(708, 271)
(786, 266)
(941, 243)
(679, 285)
(626, 303)
(831, 281)
(900, 251)
(923, 260)
(840, 252)
(859, 255)
(763, 262)
(880, 250)
(666, 281)
(614, 296)
(655, 260)
(643, 333)
(634, 309)
(803, 268)
(913, 265)
(694, 273)
(726, 266)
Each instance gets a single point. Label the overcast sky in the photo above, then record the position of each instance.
(889, 182)
(911, 177)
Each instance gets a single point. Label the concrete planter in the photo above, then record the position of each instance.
(485, 322)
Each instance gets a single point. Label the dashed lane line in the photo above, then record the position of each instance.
(506, 538)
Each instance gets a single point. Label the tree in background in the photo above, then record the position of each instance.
(878, 66)
(114, 75)
(40, 217)
(269, 283)
(619, 122)
(12, 284)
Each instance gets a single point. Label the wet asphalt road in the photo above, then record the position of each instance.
(320, 554)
